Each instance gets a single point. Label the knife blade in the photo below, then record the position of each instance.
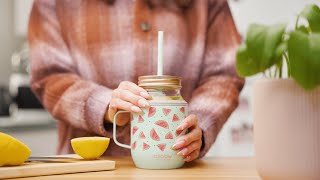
(52, 157)
(59, 159)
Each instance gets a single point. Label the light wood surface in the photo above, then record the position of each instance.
(208, 168)
(49, 168)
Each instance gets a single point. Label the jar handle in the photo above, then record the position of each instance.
(115, 130)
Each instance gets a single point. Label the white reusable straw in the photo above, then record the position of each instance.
(160, 53)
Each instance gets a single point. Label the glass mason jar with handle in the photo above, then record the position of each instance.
(153, 132)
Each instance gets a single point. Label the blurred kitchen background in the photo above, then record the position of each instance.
(23, 117)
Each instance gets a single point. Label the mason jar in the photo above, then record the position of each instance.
(153, 132)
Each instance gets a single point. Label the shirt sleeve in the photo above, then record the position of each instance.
(54, 78)
(216, 97)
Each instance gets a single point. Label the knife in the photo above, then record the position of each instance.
(53, 159)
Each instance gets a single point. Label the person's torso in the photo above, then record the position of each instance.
(110, 43)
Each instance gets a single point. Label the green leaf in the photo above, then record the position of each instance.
(245, 65)
(304, 55)
(282, 48)
(259, 51)
(304, 29)
(312, 14)
(262, 42)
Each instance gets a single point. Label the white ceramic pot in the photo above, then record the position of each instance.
(286, 130)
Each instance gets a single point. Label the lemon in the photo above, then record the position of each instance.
(90, 147)
(12, 151)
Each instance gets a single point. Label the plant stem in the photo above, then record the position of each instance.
(275, 73)
(288, 64)
(270, 73)
(280, 68)
(297, 22)
(265, 74)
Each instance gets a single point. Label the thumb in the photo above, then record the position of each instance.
(123, 119)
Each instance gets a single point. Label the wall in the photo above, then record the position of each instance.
(9, 42)
(266, 11)
(22, 10)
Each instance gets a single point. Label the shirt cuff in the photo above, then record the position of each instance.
(96, 108)
(209, 135)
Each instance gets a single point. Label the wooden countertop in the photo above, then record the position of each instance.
(207, 168)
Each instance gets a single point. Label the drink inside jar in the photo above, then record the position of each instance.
(167, 98)
(161, 94)
(162, 87)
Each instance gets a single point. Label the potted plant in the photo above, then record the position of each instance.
(286, 111)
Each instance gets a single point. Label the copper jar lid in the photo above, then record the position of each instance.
(154, 81)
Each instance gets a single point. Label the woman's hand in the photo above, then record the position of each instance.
(130, 97)
(189, 144)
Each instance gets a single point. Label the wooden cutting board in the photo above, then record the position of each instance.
(40, 168)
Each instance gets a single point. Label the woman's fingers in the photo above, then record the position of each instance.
(127, 85)
(124, 105)
(194, 135)
(192, 156)
(124, 118)
(190, 148)
(128, 96)
(188, 122)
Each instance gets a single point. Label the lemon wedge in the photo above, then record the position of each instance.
(90, 147)
(12, 151)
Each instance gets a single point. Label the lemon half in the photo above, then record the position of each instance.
(12, 151)
(90, 147)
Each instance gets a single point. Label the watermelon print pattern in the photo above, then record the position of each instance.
(175, 118)
(162, 123)
(169, 136)
(162, 147)
(134, 130)
(166, 111)
(145, 146)
(178, 133)
(155, 129)
(141, 135)
(133, 145)
(140, 119)
(154, 135)
(152, 111)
